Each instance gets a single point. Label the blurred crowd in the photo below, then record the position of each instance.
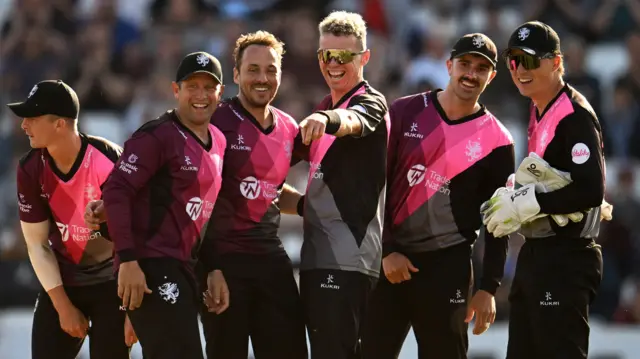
(120, 56)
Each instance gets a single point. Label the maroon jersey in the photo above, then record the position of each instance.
(161, 192)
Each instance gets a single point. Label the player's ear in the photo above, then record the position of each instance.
(176, 89)
(58, 122)
(557, 62)
(492, 75)
(450, 67)
(365, 57)
(236, 75)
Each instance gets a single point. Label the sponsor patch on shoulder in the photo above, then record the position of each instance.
(580, 153)
(358, 108)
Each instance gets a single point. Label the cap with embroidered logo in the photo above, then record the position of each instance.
(535, 38)
(199, 62)
(49, 97)
(478, 44)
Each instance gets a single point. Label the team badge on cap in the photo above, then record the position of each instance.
(202, 60)
(523, 33)
(478, 41)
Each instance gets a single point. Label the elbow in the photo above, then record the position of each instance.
(595, 196)
(107, 191)
(590, 196)
(115, 193)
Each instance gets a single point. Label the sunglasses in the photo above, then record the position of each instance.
(341, 56)
(529, 62)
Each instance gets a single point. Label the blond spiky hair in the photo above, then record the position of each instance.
(343, 23)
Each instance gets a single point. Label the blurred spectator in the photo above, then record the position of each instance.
(123, 32)
(178, 12)
(576, 74)
(629, 313)
(37, 54)
(98, 85)
(621, 127)
(619, 239)
(615, 19)
(430, 65)
(564, 16)
(632, 77)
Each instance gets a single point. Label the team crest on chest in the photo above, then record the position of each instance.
(473, 150)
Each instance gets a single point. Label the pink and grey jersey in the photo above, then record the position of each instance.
(47, 194)
(344, 202)
(162, 191)
(567, 134)
(246, 217)
(439, 173)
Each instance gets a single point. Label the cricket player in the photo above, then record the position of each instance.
(62, 173)
(345, 142)
(243, 256)
(158, 201)
(447, 155)
(559, 268)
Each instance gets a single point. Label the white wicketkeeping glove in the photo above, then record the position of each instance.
(606, 211)
(505, 212)
(535, 170)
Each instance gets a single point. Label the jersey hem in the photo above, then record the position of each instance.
(369, 272)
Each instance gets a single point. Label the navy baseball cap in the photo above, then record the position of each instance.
(49, 97)
(478, 44)
(199, 62)
(535, 38)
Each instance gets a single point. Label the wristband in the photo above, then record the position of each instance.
(104, 231)
(300, 207)
(333, 121)
(127, 255)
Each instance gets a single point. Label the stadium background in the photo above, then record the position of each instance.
(121, 55)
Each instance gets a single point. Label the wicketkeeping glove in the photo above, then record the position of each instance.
(535, 170)
(507, 209)
(606, 211)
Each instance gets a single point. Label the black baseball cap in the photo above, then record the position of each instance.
(535, 38)
(49, 97)
(478, 44)
(199, 62)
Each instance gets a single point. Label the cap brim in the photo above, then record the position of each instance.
(23, 110)
(201, 72)
(528, 50)
(476, 53)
